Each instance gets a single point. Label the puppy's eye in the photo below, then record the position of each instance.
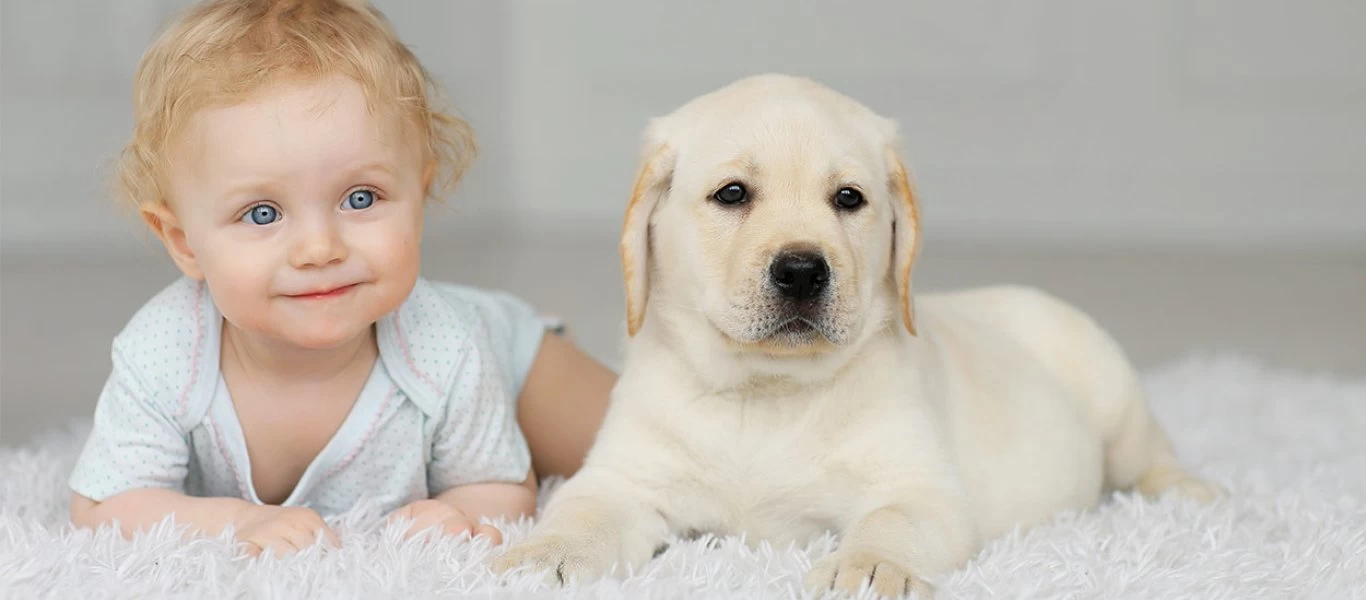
(848, 198)
(733, 193)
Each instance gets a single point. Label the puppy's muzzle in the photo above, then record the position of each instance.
(799, 275)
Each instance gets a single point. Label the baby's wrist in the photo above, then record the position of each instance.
(244, 512)
(490, 500)
(452, 501)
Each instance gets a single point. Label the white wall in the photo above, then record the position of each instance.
(1233, 122)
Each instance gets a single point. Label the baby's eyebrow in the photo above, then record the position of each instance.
(386, 166)
(247, 186)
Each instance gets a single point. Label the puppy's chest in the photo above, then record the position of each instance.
(772, 478)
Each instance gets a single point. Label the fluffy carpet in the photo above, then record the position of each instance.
(1291, 447)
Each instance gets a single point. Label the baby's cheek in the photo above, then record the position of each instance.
(247, 311)
(400, 250)
(241, 290)
(407, 260)
(396, 257)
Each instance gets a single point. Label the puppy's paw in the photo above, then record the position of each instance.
(561, 559)
(1166, 479)
(1200, 490)
(848, 571)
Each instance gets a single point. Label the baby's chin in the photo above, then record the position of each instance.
(300, 335)
(319, 331)
(326, 330)
(319, 324)
(326, 338)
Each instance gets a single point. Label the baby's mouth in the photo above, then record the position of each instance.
(325, 293)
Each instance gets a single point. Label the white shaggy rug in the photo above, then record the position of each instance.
(1291, 447)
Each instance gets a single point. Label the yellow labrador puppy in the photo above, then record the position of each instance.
(781, 380)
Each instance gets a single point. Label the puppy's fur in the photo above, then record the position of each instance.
(915, 426)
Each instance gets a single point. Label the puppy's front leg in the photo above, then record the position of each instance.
(593, 524)
(897, 546)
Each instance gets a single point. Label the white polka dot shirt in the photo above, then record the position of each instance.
(438, 411)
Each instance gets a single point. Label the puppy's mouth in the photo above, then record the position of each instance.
(782, 327)
(798, 327)
(795, 333)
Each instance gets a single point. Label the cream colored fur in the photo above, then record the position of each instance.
(914, 426)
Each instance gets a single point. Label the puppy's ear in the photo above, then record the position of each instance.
(652, 182)
(905, 233)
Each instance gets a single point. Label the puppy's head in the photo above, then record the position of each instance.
(776, 215)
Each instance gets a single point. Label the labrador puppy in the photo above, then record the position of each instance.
(781, 380)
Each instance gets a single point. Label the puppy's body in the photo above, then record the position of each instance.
(769, 397)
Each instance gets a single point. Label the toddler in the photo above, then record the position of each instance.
(283, 153)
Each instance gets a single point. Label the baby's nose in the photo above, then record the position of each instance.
(318, 246)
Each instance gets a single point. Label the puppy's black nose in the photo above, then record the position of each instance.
(799, 275)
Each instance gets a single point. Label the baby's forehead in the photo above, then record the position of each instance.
(338, 101)
(321, 117)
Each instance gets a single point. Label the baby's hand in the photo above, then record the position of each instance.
(426, 513)
(282, 529)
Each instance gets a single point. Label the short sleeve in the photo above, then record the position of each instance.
(477, 438)
(515, 332)
(133, 443)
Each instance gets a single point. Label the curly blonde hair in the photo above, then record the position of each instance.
(220, 51)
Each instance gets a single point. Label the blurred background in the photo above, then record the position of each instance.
(1191, 173)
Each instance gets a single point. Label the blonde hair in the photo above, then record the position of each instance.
(220, 51)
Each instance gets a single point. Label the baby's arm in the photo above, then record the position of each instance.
(494, 500)
(459, 509)
(480, 464)
(562, 404)
(133, 467)
(563, 390)
(139, 509)
(260, 527)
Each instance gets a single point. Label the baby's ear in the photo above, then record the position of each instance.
(163, 222)
(428, 175)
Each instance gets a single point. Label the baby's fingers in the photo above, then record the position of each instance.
(270, 544)
(300, 536)
(403, 513)
(494, 536)
(421, 523)
(458, 524)
(313, 524)
(330, 537)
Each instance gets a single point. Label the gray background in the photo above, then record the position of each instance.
(1194, 173)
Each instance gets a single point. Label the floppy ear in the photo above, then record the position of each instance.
(652, 183)
(905, 233)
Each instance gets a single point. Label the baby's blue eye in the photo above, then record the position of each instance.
(360, 199)
(261, 214)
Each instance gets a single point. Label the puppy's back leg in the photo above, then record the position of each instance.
(1139, 455)
(1093, 366)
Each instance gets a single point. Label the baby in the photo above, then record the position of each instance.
(283, 153)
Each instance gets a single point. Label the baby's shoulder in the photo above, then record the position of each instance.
(164, 346)
(169, 323)
(466, 310)
(483, 307)
(445, 329)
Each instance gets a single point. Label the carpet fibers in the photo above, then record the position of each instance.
(1291, 447)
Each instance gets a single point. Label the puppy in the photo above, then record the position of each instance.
(782, 381)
